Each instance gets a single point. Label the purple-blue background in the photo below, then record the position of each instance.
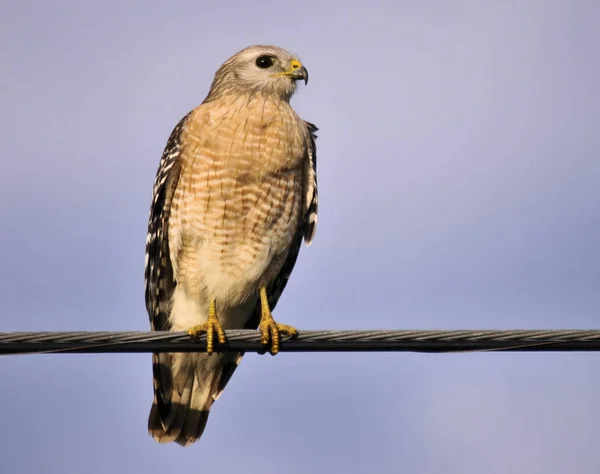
(459, 170)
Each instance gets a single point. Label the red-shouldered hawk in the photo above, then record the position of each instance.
(234, 196)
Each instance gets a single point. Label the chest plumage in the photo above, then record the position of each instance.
(239, 198)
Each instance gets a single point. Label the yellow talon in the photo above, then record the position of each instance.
(269, 329)
(211, 325)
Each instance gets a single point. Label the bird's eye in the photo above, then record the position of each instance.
(264, 62)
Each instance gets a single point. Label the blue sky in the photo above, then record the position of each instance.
(458, 173)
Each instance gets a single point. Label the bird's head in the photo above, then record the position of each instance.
(260, 69)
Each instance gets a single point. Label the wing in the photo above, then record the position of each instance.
(312, 198)
(159, 281)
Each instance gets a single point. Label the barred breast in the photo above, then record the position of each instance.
(238, 202)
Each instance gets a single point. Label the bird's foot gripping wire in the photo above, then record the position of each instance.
(211, 326)
(269, 329)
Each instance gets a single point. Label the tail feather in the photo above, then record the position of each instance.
(185, 387)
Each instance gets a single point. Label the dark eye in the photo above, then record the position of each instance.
(264, 62)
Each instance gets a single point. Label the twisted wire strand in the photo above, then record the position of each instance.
(12, 343)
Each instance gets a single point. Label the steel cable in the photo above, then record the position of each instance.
(308, 341)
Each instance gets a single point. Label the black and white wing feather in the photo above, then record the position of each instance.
(159, 280)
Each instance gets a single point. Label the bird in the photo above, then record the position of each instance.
(234, 197)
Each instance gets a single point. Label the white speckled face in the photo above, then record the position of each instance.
(268, 69)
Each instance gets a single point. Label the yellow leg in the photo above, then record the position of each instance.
(211, 325)
(269, 329)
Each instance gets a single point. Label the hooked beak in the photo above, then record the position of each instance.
(298, 71)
